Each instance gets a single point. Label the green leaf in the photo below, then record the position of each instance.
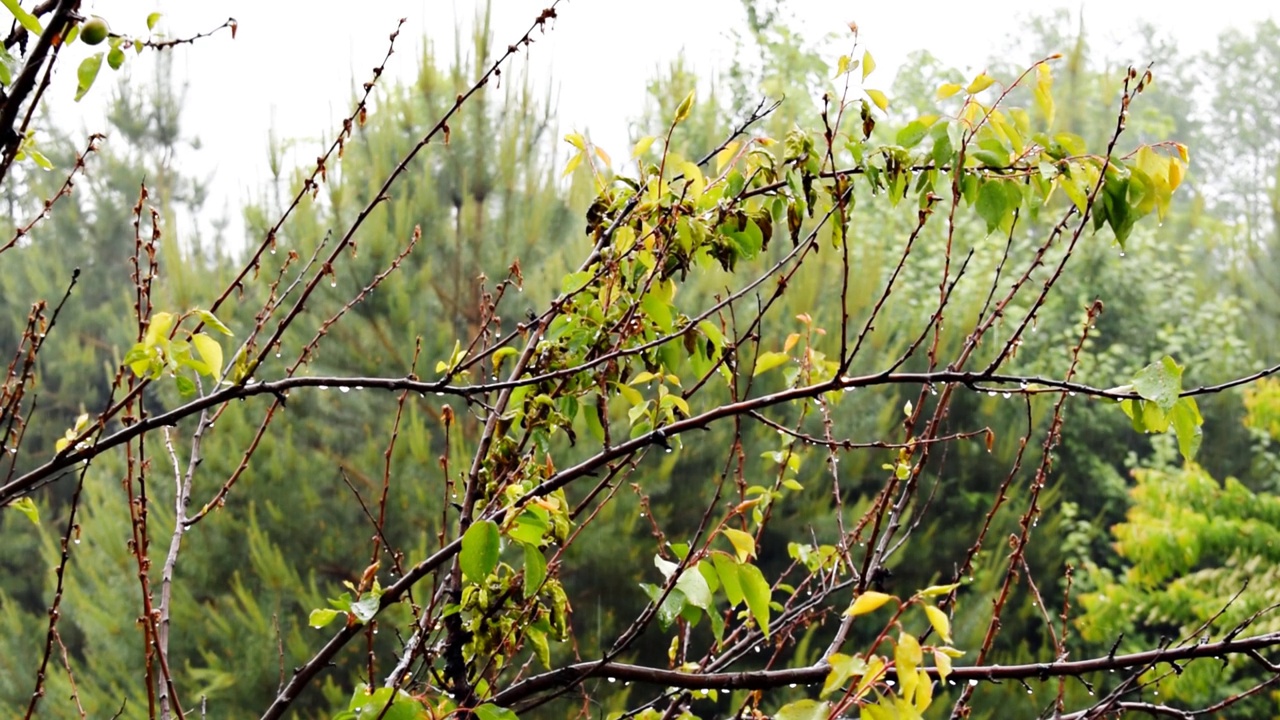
(529, 528)
(535, 570)
(152, 19)
(210, 351)
(38, 158)
(115, 58)
(912, 134)
(87, 73)
(365, 608)
(756, 591)
(212, 321)
(1159, 382)
(27, 507)
(26, 19)
(686, 105)
(803, 710)
(670, 608)
(479, 555)
(186, 386)
(1186, 426)
(843, 667)
(322, 617)
(489, 711)
(692, 586)
(727, 570)
(991, 204)
(743, 543)
(768, 361)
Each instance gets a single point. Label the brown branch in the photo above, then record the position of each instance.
(814, 674)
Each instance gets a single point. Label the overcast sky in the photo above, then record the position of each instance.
(292, 62)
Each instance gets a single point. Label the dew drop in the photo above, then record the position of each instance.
(1007, 395)
(345, 389)
(324, 387)
(333, 283)
(613, 679)
(991, 393)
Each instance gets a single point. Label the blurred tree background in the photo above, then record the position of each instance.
(1154, 543)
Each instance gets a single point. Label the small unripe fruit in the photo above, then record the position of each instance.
(94, 31)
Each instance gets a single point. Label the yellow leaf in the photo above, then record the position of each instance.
(906, 658)
(924, 691)
(792, 339)
(1175, 175)
(576, 140)
(980, 83)
(943, 663)
(642, 146)
(572, 165)
(869, 601)
(725, 156)
(743, 543)
(880, 99)
(946, 90)
(604, 156)
(1044, 92)
(936, 590)
(940, 622)
(875, 669)
(907, 654)
(868, 64)
(842, 65)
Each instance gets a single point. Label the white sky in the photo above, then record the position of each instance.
(292, 63)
